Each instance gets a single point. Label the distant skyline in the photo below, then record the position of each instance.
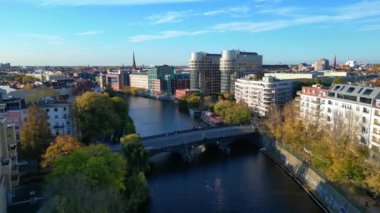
(106, 32)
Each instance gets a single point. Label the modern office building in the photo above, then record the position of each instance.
(205, 72)
(59, 116)
(162, 73)
(180, 81)
(9, 175)
(139, 80)
(261, 95)
(235, 64)
(114, 79)
(321, 64)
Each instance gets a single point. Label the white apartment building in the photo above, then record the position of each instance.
(311, 99)
(355, 107)
(262, 95)
(59, 116)
(235, 64)
(139, 80)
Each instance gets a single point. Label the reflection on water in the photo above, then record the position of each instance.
(244, 181)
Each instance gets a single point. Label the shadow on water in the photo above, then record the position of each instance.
(169, 163)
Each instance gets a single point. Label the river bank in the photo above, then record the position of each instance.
(323, 193)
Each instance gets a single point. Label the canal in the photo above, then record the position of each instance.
(244, 181)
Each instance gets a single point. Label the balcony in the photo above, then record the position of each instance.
(59, 126)
(6, 165)
(377, 123)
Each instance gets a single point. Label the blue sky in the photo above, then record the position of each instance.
(105, 32)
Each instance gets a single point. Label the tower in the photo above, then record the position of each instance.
(335, 62)
(134, 61)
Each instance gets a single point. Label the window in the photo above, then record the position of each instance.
(368, 92)
(331, 94)
(64, 108)
(365, 110)
(55, 109)
(57, 133)
(328, 110)
(364, 130)
(56, 116)
(351, 89)
(365, 100)
(364, 120)
(47, 110)
(337, 87)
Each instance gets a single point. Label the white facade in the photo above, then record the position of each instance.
(59, 116)
(353, 107)
(352, 64)
(262, 95)
(311, 99)
(139, 80)
(235, 64)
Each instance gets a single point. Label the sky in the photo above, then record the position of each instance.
(106, 32)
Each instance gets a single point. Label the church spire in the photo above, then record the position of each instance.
(134, 61)
(335, 62)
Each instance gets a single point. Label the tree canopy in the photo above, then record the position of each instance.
(63, 145)
(135, 153)
(98, 114)
(98, 165)
(233, 113)
(35, 134)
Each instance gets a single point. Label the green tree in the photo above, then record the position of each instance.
(137, 191)
(193, 101)
(319, 81)
(136, 155)
(73, 194)
(98, 165)
(63, 145)
(34, 134)
(238, 114)
(338, 80)
(37, 93)
(95, 116)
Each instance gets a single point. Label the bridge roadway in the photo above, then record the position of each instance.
(189, 137)
(162, 142)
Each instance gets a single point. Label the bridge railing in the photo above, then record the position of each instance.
(188, 130)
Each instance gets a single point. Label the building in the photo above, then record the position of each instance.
(180, 81)
(311, 99)
(114, 79)
(351, 64)
(139, 80)
(162, 73)
(321, 64)
(5, 66)
(355, 108)
(9, 175)
(263, 94)
(14, 110)
(54, 76)
(205, 72)
(235, 64)
(303, 67)
(59, 115)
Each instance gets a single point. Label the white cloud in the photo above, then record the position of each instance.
(240, 10)
(165, 35)
(106, 2)
(90, 33)
(282, 11)
(168, 17)
(50, 39)
(251, 26)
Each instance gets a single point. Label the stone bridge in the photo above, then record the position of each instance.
(184, 142)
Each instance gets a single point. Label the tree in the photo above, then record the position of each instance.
(73, 194)
(193, 101)
(97, 164)
(126, 125)
(318, 81)
(95, 116)
(37, 93)
(35, 134)
(82, 86)
(137, 159)
(135, 153)
(63, 145)
(338, 80)
(238, 114)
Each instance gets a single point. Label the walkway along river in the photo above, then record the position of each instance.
(244, 181)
